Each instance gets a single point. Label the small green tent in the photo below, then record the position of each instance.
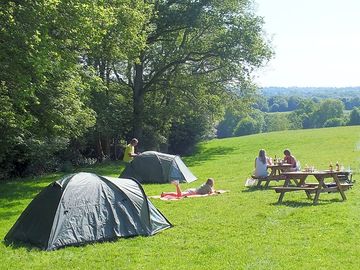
(155, 167)
(84, 207)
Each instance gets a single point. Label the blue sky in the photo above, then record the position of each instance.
(316, 42)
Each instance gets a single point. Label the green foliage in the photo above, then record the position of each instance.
(207, 229)
(78, 77)
(334, 122)
(226, 127)
(276, 122)
(354, 117)
(41, 85)
(246, 126)
(195, 51)
(184, 135)
(328, 109)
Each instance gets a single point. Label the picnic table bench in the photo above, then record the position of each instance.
(317, 188)
(275, 174)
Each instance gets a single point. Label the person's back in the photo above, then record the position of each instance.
(260, 168)
(128, 150)
(204, 189)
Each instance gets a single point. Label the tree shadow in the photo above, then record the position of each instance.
(106, 168)
(13, 193)
(19, 189)
(202, 155)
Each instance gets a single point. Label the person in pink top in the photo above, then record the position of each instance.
(290, 159)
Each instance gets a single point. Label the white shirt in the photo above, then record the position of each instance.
(260, 168)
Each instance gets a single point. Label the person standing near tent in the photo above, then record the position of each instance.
(206, 188)
(129, 153)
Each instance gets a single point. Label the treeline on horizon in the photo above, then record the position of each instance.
(288, 99)
(78, 79)
(274, 112)
(315, 92)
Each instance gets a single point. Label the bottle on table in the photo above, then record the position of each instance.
(330, 166)
(337, 166)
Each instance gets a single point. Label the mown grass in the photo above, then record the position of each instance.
(242, 229)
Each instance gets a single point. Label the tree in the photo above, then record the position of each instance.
(354, 117)
(110, 98)
(261, 104)
(246, 126)
(276, 122)
(226, 127)
(334, 122)
(304, 114)
(293, 103)
(194, 48)
(250, 124)
(328, 109)
(44, 83)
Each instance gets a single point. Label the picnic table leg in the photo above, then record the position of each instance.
(258, 183)
(286, 184)
(267, 183)
(281, 196)
(336, 179)
(318, 190)
(302, 183)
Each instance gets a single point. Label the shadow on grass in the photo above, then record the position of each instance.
(20, 189)
(25, 188)
(16, 190)
(202, 155)
(18, 245)
(256, 188)
(297, 204)
(106, 168)
(252, 189)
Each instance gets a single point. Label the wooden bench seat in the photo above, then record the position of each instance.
(267, 179)
(288, 189)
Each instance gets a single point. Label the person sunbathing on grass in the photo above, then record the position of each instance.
(206, 188)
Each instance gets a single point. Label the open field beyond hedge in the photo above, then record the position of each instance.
(242, 229)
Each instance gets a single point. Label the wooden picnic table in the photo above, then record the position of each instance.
(309, 188)
(276, 173)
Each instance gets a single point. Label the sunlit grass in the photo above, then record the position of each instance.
(242, 229)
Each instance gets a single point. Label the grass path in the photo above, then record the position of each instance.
(242, 229)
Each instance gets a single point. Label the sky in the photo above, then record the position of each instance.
(316, 43)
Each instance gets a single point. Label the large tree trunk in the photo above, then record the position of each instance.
(99, 149)
(138, 101)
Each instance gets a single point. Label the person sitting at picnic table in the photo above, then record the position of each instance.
(290, 159)
(206, 188)
(261, 163)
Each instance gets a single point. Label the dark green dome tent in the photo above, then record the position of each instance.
(155, 167)
(84, 207)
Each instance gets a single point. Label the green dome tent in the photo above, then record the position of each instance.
(84, 207)
(155, 167)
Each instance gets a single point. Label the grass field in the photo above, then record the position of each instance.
(242, 229)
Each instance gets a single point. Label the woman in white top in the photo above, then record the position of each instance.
(261, 163)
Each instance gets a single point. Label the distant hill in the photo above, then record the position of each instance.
(319, 92)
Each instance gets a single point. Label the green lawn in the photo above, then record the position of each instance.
(242, 229)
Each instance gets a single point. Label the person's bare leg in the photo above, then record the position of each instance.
(178, 189)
